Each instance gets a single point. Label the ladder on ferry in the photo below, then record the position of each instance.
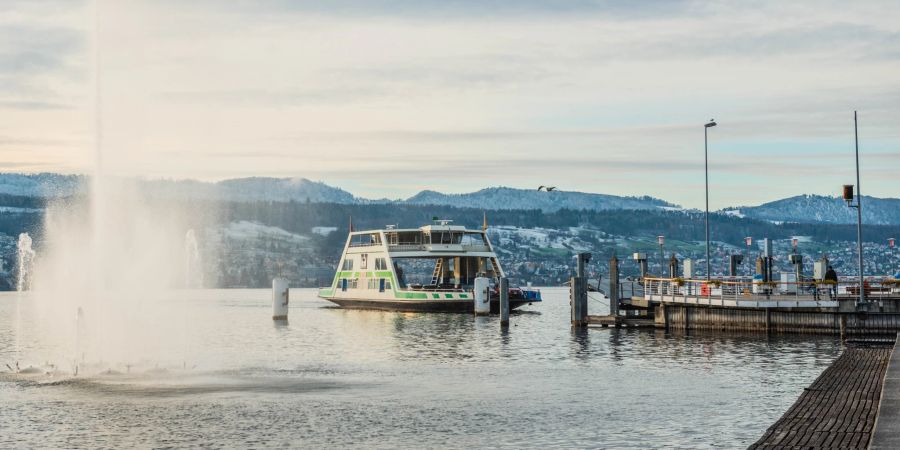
(438, 269)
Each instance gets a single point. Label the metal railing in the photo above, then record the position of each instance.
(428, 247)
(755, 293)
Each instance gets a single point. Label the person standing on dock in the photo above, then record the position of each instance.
(832, 278)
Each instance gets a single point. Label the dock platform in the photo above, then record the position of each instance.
(839, 409)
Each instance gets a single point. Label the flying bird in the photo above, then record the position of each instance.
(546, 188)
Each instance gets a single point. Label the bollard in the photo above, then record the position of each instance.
(280, 299)
(504, 302)
(482, 296)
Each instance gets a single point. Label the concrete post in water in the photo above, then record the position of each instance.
(673, 267)
(641, 258)
(614, 286)
(578, 301)
(504, 302)
(280, 290)
(482, 296)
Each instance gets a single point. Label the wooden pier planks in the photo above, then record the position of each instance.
(887, 427)
(839, 409)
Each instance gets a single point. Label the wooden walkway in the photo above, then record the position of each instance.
(838, 410)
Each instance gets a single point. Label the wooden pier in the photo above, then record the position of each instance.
(839, 409)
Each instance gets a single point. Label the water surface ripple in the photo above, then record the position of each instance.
(345, 378)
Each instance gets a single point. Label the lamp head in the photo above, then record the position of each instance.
(711, 123)
(848, 193)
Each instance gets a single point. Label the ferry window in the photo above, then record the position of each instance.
(473, 239)
(387, 284)
(380, 264)
(348, 264)
(363, 261)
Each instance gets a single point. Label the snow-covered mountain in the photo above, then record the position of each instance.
(238, 189)
(252, 189)
(510, 198)
(301, 189)
(801, 208)
(823, 209)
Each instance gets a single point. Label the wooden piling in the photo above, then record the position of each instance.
(504, 302)
(578, 301)
(614, 286)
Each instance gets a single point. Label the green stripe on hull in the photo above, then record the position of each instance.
(413, 295)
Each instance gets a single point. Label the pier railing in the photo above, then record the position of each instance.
(754, 293)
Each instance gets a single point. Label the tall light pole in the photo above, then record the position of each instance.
(706, 127)
(848, 197)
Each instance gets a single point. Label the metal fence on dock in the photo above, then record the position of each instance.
(737, 292)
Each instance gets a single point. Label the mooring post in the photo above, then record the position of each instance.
(614, 286)
(482, 298)
(578, 301)
(843, 327)
(665, 316)
(280, 299)
(504, 302)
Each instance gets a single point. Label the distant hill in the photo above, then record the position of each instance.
(800, 209)
(823, 209)
(40, 184)
(238, 189)
(504, 198)
(251, 189)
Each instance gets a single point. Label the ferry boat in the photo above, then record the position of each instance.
(431, 268)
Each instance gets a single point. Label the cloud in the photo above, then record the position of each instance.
(601, 95)
(468, 9)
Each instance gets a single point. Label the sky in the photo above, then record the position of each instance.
(386, 98)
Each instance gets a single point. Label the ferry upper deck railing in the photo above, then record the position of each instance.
(745, 292)
(428, 247)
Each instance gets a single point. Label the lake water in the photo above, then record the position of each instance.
(345, 378)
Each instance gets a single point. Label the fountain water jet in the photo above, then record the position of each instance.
(193, 267)
(112, 257)
(25, 262)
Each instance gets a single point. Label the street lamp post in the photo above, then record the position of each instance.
(848, 197)
(706, 127)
